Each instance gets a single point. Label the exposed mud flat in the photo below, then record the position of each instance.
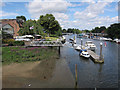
(52, 73)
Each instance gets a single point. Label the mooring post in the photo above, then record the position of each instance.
(75, 75)
(101, 56)
(59, 50)
(81, 43)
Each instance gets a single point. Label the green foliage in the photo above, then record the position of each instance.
(49, 23)
(20, 20)
(18, 43)
(8, 41)
(37, 28)
(64, 31)
(22, 54)
(21, 17)
(114, 31)
(12, 42)
(72, 30)
(86, 31)
(46, 24)
(98, 29)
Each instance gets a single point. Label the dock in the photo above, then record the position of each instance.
(44, 43)
(95, 57)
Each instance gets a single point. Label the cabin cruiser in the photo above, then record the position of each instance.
(90, 45)
(84, 53)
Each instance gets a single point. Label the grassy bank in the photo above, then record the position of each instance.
(51, 38)
(22, 54)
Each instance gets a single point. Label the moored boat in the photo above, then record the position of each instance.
(78, 47)
(90, 45)
(84, 53)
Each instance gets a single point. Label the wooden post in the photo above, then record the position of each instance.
(75, 75)
(101, 57)
(59, 50)
(81, 43)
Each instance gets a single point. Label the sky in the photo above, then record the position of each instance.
(80, 14)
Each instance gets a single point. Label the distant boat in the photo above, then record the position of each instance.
(90, 45)
(84, 53)
(105, 39)
(79, 35)
(118, 41)
(115, 40)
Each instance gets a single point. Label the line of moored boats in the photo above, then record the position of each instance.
(89, 45)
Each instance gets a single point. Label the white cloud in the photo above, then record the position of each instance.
(3, 14)
(90, 17)
(87, 19)
(56, 7)
(93, 10)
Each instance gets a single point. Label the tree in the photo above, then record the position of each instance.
(49, 23)
(20, 20)
(98, 29)
(37, 28)
(114, 31)
(64, 31)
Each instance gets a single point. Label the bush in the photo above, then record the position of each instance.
(12, 42)
(18, 43)
(7, 41)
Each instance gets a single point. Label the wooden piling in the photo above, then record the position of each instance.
(81, 43)
(75, 75)
(59, 50)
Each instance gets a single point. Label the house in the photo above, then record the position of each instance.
(10, 26)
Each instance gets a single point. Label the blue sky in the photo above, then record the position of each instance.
(81, 15)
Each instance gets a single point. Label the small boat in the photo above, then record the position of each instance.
(90, 45)
(78, 48)
(115, 40)
(118, 41)
(84, 53)
(71, 39)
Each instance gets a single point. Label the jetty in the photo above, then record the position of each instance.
(44, 43)
(95, 57)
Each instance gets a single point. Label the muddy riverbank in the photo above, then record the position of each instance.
(52, 73)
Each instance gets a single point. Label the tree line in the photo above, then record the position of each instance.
(71, 30)
(113, 31)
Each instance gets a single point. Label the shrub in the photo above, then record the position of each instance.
(18, 43)
(8, 41)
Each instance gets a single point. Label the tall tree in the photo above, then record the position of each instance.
(49, 23)
(20, 20)
(114, 31)
(31, 27)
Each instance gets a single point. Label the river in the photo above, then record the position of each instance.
(90, 74)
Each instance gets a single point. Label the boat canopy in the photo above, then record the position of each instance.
(83, 50)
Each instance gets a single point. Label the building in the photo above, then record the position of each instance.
(10, 26)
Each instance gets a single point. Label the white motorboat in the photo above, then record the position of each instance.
(90, 45)
(84, 53)
(78, 47)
